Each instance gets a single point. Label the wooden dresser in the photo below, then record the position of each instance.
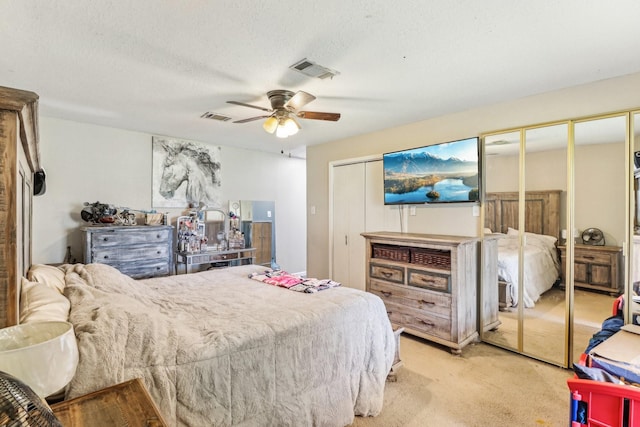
(137, 251)
(428, 284)
(595, 267)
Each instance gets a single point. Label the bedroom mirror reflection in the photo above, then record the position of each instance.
(522, 248)
(254, 220)
(599, 223)
(543, 309)
(559, 264)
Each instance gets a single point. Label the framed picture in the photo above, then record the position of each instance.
(185, 174)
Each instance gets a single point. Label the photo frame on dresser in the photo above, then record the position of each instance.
(185, 173)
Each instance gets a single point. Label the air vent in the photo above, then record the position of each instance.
(311, 69)
(215, 116)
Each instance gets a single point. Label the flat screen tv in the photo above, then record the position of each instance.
(441, 173)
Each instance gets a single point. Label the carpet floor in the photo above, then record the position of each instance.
(484, 386)
(544, 331)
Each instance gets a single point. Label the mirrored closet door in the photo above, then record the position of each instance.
(574, 207)
(599, 223)
(543, 308)
(525, 176)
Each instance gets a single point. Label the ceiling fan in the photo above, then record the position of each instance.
(285, 108)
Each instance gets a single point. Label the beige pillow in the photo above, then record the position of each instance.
(39, 302)
(49, 275)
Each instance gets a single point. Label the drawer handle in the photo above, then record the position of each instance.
(426, 322)
(427, 302)
(386, 294)
(158, 236)
(105, 239)
(588, 257)
(423, 280)
(106, 257)
(386, 274)
(389, 313)
(158, 252)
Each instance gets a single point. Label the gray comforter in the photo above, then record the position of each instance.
(219, 349)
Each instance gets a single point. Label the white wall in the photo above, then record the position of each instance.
(599, 184)
(599, 97)
(88, 163)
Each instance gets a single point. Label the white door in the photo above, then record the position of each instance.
(379, 217)
(348, 262)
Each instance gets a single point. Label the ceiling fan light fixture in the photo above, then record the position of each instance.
(281, 132)
(270, 124)
(291, 126)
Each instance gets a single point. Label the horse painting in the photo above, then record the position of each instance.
(190, 174)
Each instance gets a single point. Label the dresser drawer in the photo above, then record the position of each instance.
(428, 280)
(432, 302)
(592, 257)
(106, 239)
(143, 270)
(420, 320)
(387, 272)
(130, 254)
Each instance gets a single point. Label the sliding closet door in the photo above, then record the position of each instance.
(599, 226)
(543, 294)
(499, 296)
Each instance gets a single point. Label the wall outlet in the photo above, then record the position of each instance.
(313, 210)
(268, 214)
(476, 210)
(412, 210)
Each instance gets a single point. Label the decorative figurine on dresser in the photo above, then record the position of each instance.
(139, 251)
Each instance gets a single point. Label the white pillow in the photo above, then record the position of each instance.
(547, 241)
(39, 302)
(49, 275)
(487, 231)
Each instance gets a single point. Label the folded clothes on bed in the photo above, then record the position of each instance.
(293, 282)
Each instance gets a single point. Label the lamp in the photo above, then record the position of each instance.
(44, 355)
(282, 124)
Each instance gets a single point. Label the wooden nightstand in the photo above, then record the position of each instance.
(595, 267)
(126, 404)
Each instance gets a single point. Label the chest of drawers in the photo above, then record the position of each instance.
(137, 251)
(595, 267)
(428, 284)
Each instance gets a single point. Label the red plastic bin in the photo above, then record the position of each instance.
(603, 404)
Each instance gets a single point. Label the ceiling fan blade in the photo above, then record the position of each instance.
(251, 119)
(249, 105)
(316, 115)
(300, 99)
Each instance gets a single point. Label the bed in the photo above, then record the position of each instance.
(212, 348)
(218, 348)
(542, 230)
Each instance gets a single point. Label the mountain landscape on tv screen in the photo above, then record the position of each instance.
(421, 177)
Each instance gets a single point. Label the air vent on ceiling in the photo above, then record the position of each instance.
(311, 69)
(215, 116)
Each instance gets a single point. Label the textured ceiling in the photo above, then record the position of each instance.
(156, 66)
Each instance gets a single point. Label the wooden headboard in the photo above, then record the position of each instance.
(19, 159)
(542, 212)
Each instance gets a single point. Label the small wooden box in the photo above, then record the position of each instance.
(126, 404)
